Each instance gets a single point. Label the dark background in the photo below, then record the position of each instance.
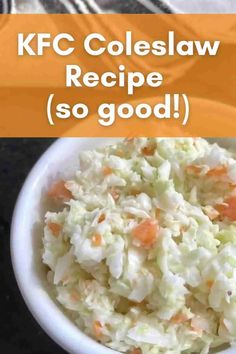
(19, 332)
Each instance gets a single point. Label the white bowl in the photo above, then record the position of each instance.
(26, 235)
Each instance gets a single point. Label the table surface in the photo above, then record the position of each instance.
(19, 332)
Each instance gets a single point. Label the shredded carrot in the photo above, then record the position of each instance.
(74, 295)
(179, 318)
(97, 240)
(148, 150)
(97, 329)
(107, 171)
(214, 172)
(221, 207)
(228, 208)
(209, 283)
(146, 233)
(54, 228)
(217, 171)
(101, 218)
(194, 169)
(58, 191)
(136, 351)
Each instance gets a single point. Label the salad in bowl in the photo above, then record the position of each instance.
(142, 252)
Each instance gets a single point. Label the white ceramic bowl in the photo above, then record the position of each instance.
(26, 235)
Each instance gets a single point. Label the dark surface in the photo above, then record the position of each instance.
(19, 332)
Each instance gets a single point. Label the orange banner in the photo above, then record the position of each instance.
(117, 75)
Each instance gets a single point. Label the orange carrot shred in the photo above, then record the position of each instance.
(107, 171)
(148, 150)
(136, 351)
(97, 240)
(101, 218)
(217, 171)
(228, 208)
(58, 191)
(97, 328)
(54, 228)
(194, 169)
(179, 318)
(146, 233)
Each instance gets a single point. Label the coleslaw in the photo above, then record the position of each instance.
(142, 255)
